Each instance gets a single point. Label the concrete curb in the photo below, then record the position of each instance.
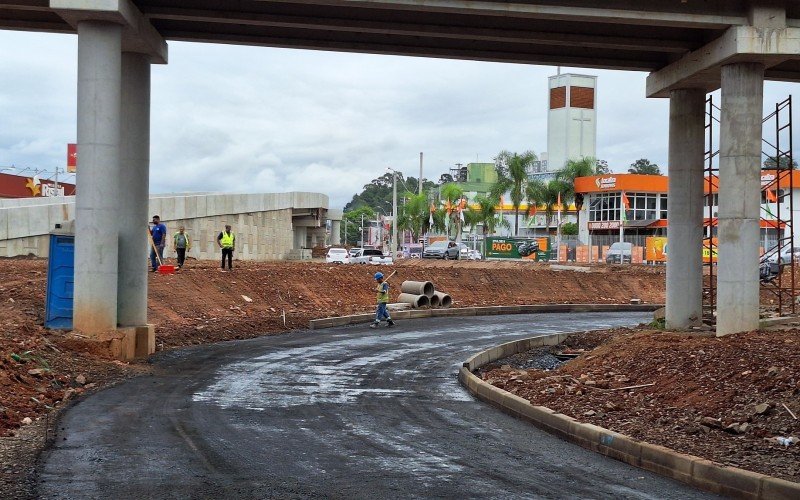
(316, 324)
(698, 472)
(782, 320)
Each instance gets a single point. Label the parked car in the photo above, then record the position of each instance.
(475, 255)
(619, 253)
(370, 256)
(445, 250)
(354, 251)
(337, 256)
(785, 256)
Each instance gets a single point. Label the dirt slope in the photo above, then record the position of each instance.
(704, 401)
(39, 368)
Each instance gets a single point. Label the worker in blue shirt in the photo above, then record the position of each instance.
(159, 233)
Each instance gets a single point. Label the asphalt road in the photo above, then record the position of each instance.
(339, 413)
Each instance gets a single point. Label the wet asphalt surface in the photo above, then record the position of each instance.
(339, 413)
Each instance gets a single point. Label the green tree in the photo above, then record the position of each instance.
(644, 167)
(352, 236)
(378, 193)
(445, 179)
(771, 164)
(512, 173)
(540, 193)
(602, 167)
(569, 229)
(484, 213)
(414, 215)
(452, 194)
(584, 167)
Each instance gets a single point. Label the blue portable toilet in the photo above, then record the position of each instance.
(60, 278)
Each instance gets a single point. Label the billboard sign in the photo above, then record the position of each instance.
(72, 158)
(518, 248)
(656, 248)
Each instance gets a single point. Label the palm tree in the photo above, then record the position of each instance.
(584, 167)
(512, 169)
(484, 212)
(414, 215)
(451, 196)
(547, 193)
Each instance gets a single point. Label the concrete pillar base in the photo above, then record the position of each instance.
(122, 344)
(129, 343)
(145, 341)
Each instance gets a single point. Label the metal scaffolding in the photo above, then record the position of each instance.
(775, 188)
(777, 179)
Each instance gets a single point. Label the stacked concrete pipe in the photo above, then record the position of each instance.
(417, 293)
(443, 299)
(416, 301)
(414, 291)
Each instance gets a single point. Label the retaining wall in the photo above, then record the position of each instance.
(264, 224)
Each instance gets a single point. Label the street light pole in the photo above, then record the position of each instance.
(394, 215)
(362, 230)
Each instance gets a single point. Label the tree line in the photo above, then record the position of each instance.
(442, 208)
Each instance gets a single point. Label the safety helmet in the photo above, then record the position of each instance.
(378, 276)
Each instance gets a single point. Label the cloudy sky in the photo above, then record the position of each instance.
(254, 119)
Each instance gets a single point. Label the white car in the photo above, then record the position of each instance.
(337, 256)
(475, 255)
(785, 256)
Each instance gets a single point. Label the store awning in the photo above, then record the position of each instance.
(639, 223)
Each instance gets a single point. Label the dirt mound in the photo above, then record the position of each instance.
(40, 368)
(718, 398)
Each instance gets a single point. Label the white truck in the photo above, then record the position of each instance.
(370, 256)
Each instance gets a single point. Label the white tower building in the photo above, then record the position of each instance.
(571, 119)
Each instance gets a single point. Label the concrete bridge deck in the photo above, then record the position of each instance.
(620, 34)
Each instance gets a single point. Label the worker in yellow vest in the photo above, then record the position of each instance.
(227, 242)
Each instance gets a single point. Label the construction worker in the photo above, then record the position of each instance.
(159, 233)
(182, 244)
(227, 242)
(382, 290)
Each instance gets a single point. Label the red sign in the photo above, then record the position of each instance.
(72, 158)
(612, 224)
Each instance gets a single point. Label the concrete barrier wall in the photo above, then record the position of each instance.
(262, 222)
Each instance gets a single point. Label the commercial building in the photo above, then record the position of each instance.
(633, 207)
(18, 186)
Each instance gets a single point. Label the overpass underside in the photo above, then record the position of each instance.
(689, 47)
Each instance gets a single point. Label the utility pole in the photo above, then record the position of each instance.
(362, 230)
(420, 173)
(56, 181)
(394, 215)
(345, 230)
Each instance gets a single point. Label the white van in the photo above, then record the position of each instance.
(619, 253)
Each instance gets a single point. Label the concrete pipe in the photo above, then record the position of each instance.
(434, 301)
(416, 301)
(417, 288)
(444, 299)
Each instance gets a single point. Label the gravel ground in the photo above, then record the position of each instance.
(717, 398)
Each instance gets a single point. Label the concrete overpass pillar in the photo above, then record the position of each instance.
(739, 197)
(336, 232)
(96, 214)
(685, 231)
(134, 190)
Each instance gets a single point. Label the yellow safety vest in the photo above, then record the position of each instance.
(227, 240)
(382, 296)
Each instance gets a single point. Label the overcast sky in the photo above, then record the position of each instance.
(255, 119)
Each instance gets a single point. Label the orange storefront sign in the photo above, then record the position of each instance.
(622, 182)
